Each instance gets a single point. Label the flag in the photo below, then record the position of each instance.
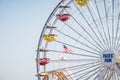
(67, 50)
(62, 58)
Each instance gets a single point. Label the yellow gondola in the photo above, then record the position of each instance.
(82, 2)
(50, 37)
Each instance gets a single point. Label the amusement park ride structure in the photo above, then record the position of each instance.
(80, 41)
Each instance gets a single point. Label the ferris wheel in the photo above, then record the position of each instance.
(80, 41)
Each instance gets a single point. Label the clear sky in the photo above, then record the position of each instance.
(21, 22)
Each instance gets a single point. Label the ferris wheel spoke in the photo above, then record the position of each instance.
(109, 6)
(84, 69)
(118, 45)
(88, 72)
(75, 74)
(110, 75)
(117, 30)
(96, 72)
(112, 23)
(72, 67)
(83, 36)
(93, 74)
(100, 74)
(114, 77)
(100, 40)
(105, 46)
(78, 41)
(82, 65)
(117, 49)
(106, 15)
(84, 72)
(73, 60)
(107, 76)
(117, 76)
(88, 34)
(78, 54)
(78, 48)
(85, 30)
(117, 73)
(100, 18)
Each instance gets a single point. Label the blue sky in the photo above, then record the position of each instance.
(21, 22)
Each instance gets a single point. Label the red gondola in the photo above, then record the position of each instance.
(44, 61)
(63, 17)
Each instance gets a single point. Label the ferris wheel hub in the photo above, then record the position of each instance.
(108, 58)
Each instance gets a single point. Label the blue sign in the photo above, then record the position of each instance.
(108, 58)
